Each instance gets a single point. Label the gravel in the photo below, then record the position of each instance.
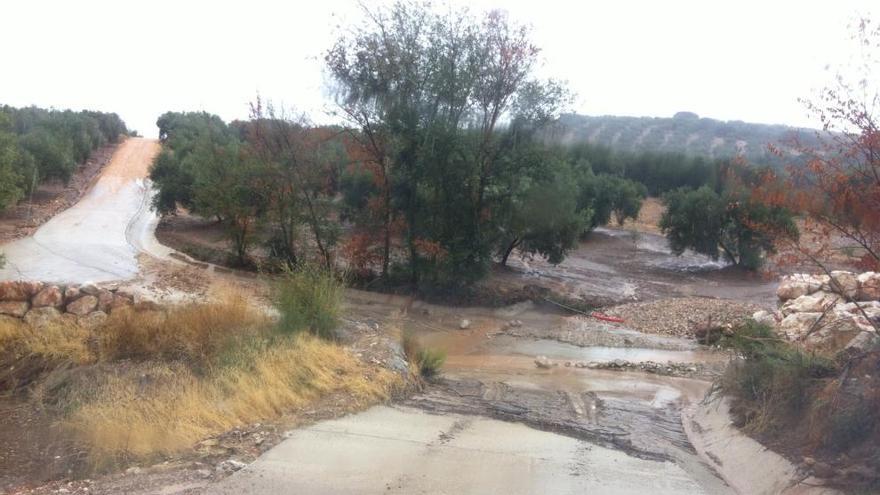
(680, 316)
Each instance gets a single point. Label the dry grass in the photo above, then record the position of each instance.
(151, 383)
(130, 421)
(194, 333)
(54, 342)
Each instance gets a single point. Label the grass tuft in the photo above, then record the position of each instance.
(309, 299)
(427, 361)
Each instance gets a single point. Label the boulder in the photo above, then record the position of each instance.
(39, 317)
(869, 286)
(105, 300)
(796, 325)
(15, 290)
(14, 308)
(92, 320)
(83, 306)
(50, 296)
(864, 342)
(543, 363)
(32, 287)
(89, 289)
(766, 318)
(833, 334)
(843, 283)
(71, 293)
(816, 302)
(797, 285)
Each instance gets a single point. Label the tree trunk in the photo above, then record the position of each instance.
(509, 250)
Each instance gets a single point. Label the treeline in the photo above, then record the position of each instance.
(658, 171)
(37, 144)
(685, 133)
(292, 189)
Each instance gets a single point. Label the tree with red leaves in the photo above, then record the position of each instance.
(835, 185)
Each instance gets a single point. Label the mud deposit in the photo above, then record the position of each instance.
(490, 372)
(618, 266)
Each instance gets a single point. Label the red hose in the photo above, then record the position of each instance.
(604, 317)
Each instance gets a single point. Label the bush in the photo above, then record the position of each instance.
(427, 361)
(773, 382)
(430, 361)
(309, 298)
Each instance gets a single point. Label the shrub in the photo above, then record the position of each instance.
(430, 361)
(309, 298)
(772, 384)
(427, 361)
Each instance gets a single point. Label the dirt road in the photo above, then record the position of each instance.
(99, 238)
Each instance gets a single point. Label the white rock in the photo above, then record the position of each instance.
(543, 363)
(795, 325)
(833, 334)
(843, 283)
(810, 303)
(464, 324)
(869, 286)
(797, 285)
(765, 318)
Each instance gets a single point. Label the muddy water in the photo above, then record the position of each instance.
(490, 372)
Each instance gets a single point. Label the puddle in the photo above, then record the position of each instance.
(558, 350)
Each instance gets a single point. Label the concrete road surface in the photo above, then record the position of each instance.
(404, 450)
(97, 239)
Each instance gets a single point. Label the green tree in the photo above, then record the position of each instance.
(436, 97)
(728, 224)
(11, 179)
(544, 220)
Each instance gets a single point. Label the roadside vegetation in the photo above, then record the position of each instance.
(150, 383)
(809, 406)
(37, 145)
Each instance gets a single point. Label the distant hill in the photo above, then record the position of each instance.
(685, 132)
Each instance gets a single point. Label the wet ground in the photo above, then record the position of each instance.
(99, 238)
(586, 427)
(615, 265)
(405, 450)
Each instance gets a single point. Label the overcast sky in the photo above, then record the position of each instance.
(745, 60)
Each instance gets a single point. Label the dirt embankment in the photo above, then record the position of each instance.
(52, 197)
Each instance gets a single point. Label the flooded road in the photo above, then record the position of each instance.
(495, 423)
(99, 238)
(405, 450)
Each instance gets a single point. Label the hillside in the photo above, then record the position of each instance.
(685, 132)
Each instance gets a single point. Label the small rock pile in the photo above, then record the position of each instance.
(668, 369)
(37, 303)
(680, 317)
(828, 312)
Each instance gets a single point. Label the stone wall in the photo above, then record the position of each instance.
(828, 312)
(37, 303)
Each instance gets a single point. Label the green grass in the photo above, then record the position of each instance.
(309, 299)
